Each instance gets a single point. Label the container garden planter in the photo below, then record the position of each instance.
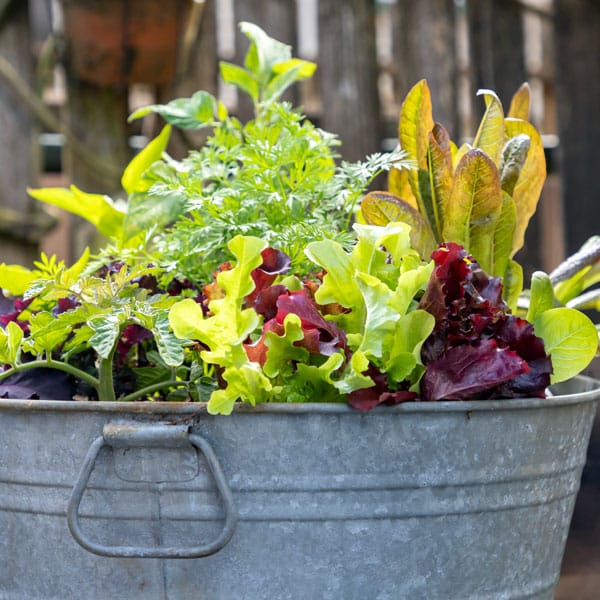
(397, 426)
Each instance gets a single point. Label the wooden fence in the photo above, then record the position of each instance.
(369, 54)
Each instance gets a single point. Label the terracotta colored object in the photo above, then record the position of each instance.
(118, 42)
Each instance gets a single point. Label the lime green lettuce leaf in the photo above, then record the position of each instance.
(95, 208)
(10, 344)
(15, 279)
(570, 338)
(541, 296)
(281, 348)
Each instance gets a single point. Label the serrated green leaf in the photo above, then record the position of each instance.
(570, 338)
(541, 295)
(148, 210)
(352, 378)
(241, 78)
(47, 332)
(409, 283)
(107, 329)
(132, 179)
(169, 347)
(186, 113)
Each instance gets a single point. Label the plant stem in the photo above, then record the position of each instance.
(152, 388)
(54, 364)
(106, 386)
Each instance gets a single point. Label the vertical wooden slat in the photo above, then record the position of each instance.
(577, 25)
(348, 75)
(16, 131)
(497, 47)
(278, 19)
(424, 48)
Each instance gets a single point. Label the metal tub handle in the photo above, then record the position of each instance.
(150, 435)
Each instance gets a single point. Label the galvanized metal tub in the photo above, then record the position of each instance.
(448, 500)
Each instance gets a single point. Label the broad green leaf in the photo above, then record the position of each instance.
(440, 175)
(248, 383)
(416, 121)
(10, 343)
(405, 351)
(352, 377)
(541, 295)
(339, 284)
(503, 236)
(512, 284)
(381, 208)
(519, 105)
(95, 208)
(107, 329)
(409, 283)
(237, 282)
(529, 185)
(570, 338)
(264, 53)
(490, 135)
(184, 317)
(315, 382)
(241, 78)
(146, 210)
(399, 185)
(380, 318)
(169, 347)
(474, 207)
(132, 179)
(185, 113)
(222, 401)
(281, 348)
(15, 279)
(514, 155)
(47, 333)
(287, 73)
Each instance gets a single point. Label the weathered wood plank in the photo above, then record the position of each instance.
(348, 75)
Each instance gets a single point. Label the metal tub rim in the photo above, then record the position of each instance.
(590, 393)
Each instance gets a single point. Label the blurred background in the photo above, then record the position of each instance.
(72, 70)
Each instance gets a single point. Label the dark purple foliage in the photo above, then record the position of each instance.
(477, 348)
(368, 398)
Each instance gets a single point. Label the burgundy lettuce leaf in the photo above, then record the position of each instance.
(132, 335)
(265, 301)
(366, 399)
(274, 263)
(11, 311)
(477, 348)
(330, 336)
(470, 371)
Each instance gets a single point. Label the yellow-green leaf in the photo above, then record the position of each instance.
(381, 208)
(474, 207)
(416, 121)
(399, 185)
(530, 182)
(503, 236)
(490, 135)
(440, 175)
(513, 284)
(95, 208)
(519, 105)
(458, 154)
(15, 279)
(132, 179)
